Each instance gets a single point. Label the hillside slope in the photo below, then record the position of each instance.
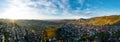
(99, 21)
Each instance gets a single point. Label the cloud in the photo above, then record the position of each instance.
(43, 9)
(81, 1)
(20, 8)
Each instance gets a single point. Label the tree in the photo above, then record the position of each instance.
(49, 32)
(67, 33)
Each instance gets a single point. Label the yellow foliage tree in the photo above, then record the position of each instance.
(50, 32)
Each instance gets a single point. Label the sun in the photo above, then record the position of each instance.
(22, 12)
(15, 16)
(16, 13)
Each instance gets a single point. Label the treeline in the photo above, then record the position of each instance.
(72, 34)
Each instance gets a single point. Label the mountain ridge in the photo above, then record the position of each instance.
(103, 20)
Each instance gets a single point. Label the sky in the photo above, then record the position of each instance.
(58, 9)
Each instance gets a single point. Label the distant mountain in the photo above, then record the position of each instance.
(95, 21)
(99, 21)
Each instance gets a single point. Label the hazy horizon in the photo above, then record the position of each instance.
(56, 19)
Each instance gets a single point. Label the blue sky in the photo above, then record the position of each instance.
(58, 9)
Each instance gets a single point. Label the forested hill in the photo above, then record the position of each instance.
(99, 21)
(95, 21)
(105, 28)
